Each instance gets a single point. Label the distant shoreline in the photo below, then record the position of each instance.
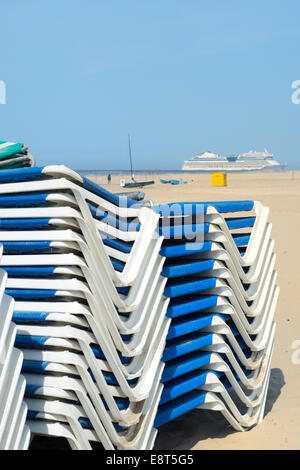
(166, 172)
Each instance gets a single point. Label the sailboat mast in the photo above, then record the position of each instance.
(129, 146)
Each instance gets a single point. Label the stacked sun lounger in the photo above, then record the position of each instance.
(14, 155)
(14, 434)
(223, 297)
(129, 316)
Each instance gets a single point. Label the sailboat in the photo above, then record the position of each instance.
(133, 183)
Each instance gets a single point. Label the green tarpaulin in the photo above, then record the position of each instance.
(14, 155)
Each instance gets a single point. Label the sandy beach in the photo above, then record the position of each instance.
(281, 426)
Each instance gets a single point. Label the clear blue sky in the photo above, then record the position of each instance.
(181, 76)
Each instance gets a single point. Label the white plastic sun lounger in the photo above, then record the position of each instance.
(124, 416)
(147, 217)
(137, 435)
(74, 339)
(102, 251)
(13, 435)
(45, 171)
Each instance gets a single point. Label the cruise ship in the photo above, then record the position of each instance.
(250, 161)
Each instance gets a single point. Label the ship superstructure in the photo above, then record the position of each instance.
(249, 161)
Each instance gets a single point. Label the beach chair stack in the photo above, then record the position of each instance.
(14, 155)
(129, 316)
(223, 295)
(14, 433)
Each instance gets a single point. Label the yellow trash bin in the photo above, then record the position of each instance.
(219, 179)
